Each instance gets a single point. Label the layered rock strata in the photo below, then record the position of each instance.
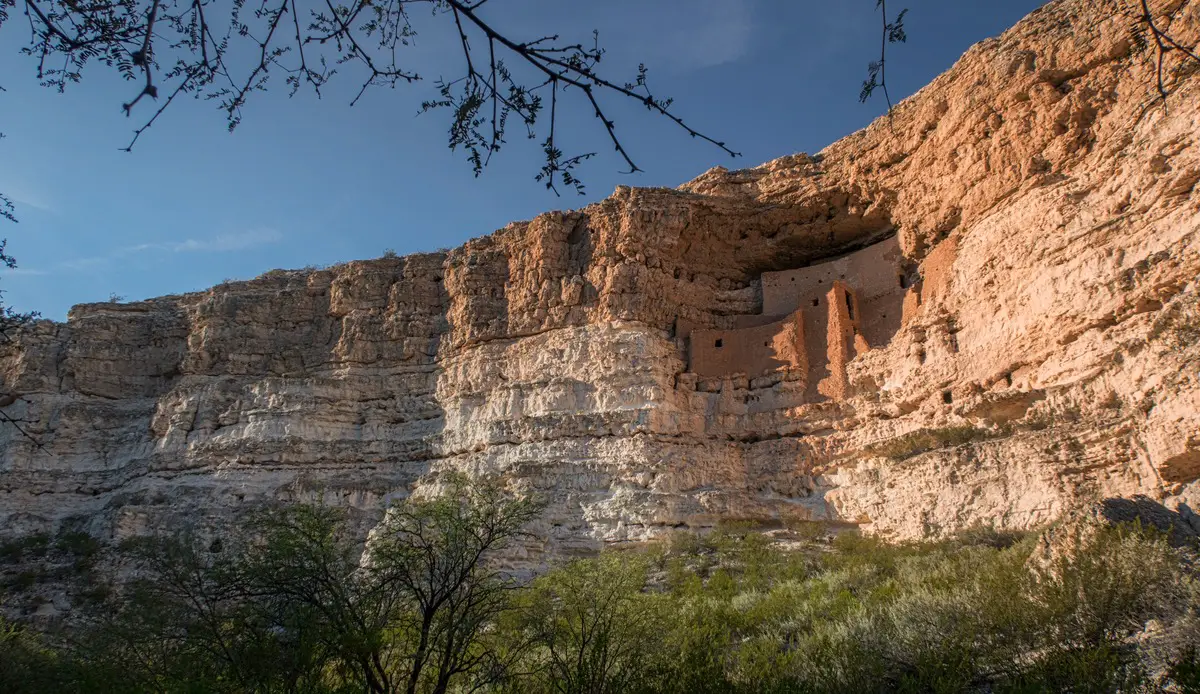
(1043, 347)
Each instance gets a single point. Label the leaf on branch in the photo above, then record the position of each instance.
(895, 30)
(871, 83)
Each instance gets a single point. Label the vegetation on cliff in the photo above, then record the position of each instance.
(297, 606)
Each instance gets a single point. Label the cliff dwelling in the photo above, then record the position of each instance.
(814, 320)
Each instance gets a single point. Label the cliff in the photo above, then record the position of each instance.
(982, 309)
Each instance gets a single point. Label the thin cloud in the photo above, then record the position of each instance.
(705, 34)
(85, 263)
(222, 243)
(23, 198)
(24, 271)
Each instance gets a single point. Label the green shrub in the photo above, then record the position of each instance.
(989, 536)
(27, 547)
(593, 628)
(1109, 586)
(77, 543)
(725, 613)
(1184, 671)
(24, 580)
(27, 665)
(925, 440)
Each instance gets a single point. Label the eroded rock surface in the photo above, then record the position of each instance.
(1046, 220)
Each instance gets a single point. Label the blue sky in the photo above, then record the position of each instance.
(314, 182)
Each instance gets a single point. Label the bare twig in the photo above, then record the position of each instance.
(52, 28)
(1164, 44)
(180, 89)
(578, 73)
(26, 434)
(143, 58)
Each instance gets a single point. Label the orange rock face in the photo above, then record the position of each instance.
(1030, 300)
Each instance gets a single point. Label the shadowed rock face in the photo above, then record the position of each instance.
(1047, 221)
(1181, 527)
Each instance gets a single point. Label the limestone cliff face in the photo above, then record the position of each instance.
(1043, 220)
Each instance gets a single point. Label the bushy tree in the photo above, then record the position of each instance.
(595, 630)
(294, 604)
(433, 555)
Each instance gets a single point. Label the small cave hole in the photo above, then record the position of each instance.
(849, 305)
(677, 273)
(793, 279)
(719, 343)
(903, 282)
(767, 343)
(1008, 379)
(816, 302)
(947, 397)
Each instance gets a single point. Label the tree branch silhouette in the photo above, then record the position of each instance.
(176, 43)
(26, 434)
(1164, 44)
(893, 32)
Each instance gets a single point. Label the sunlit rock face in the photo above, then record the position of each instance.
(1009, 262)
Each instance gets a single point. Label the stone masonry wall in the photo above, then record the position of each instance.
(878, 277)
(875, 280)
(844, 339)
(753, 351)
